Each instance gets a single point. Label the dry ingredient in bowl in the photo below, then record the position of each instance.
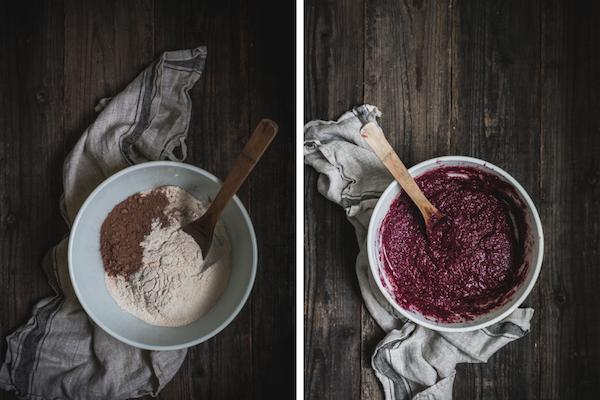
(153, 269)
(472, 262)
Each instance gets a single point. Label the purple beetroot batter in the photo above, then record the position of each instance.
(470, 263)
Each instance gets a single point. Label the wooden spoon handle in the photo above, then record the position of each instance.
(254, 149)
(381, 147)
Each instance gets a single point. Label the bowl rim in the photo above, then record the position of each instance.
(78, 292)
(372, 235)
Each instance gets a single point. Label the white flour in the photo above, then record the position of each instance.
(170, 289)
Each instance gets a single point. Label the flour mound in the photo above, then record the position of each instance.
(174, 286)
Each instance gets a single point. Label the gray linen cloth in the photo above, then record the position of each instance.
(60, 353)
(411, 362)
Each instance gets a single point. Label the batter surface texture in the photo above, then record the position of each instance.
(467, 265)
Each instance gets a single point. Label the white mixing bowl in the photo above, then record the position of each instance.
(535, 254)
(87, 270)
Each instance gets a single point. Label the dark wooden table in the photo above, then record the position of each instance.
(516, 83)
(59, 58)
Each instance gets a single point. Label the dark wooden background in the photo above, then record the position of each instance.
(516, 83)
(58, 58)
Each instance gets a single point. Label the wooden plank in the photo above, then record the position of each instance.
(31, 156)
(90, 65)
(333, 49)
(31, 135)
(272, 95)
(371, 335)
(408, 76)
(218, 130)
(555, 336)
(468, 62)
(332, 300)
(587, 227)
(569, 364)
(496, 107)
(134, 44)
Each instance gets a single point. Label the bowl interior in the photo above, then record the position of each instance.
(87, 271)
(534, 248)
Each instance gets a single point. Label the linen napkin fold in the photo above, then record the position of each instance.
(412, 362)
(60, 353)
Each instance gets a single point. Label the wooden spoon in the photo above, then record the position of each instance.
(374, 138)
(202, 228)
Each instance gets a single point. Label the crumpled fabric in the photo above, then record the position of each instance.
(412, 362)
(60, 353)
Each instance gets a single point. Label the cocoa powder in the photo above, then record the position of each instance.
(126, 227)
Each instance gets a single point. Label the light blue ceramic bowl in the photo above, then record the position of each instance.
(87, 271)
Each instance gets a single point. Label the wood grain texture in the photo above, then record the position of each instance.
(570, 153)
(495, 86)
(512, 82)
(59, 59)
(270, 93)
(31, 155)
(334, 40)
